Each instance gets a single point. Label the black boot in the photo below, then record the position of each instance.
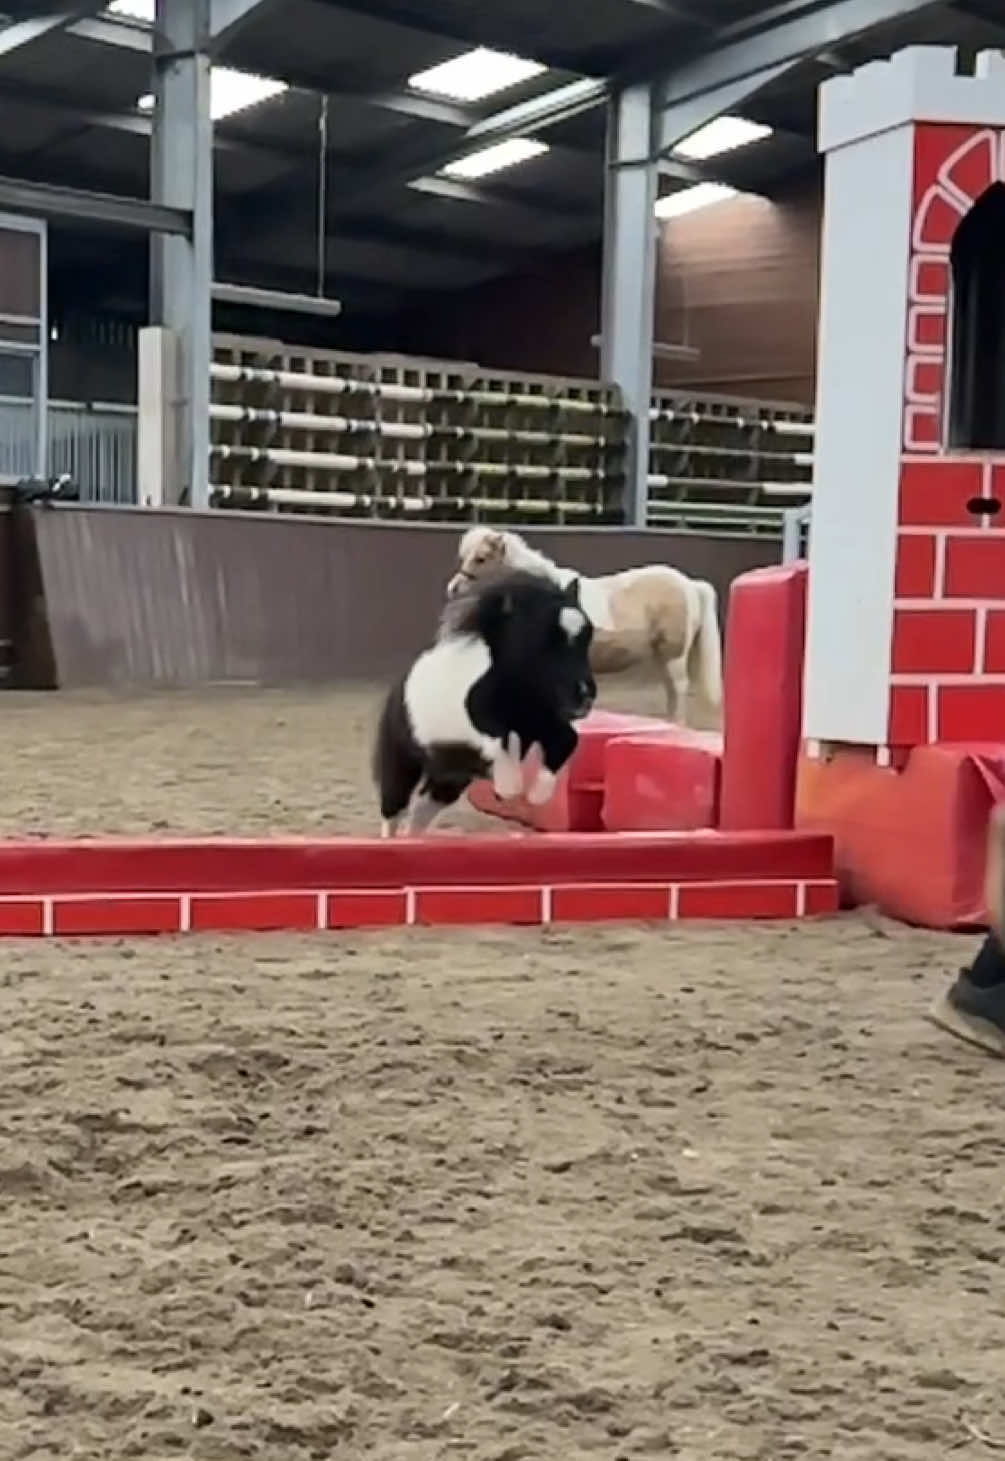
(974, 1007)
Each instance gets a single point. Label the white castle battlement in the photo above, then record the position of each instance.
(918, 84)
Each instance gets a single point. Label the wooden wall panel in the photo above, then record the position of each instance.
(738, 280)
(276, 600)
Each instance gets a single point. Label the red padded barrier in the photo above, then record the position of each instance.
(236, 865)
(763, 698)
(663, 782)
(912, 841)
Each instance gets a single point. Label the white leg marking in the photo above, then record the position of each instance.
(542, 788)
(389, 826)
(507, 771)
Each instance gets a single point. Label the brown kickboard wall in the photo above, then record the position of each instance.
(133, 597)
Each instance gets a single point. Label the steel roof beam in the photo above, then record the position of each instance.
(673, 10)
(48, 201)
(228, 17)
(134, 36)
(395, 13)
(455, 190)
(751, 58)
(742, 53)
(21, 33)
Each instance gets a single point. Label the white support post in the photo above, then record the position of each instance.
(158, 469)
(181, 274)
(629, 278)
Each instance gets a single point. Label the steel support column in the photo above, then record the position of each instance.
(629, 277)
(181, 269)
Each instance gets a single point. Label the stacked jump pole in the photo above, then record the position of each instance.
(395, 438)
(398, 438)
(727, 465)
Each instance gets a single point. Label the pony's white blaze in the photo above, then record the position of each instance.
(650, 615)
(573, 621)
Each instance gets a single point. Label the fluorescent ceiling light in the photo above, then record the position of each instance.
(230, 92)
(688, 200)
(495, 158)
(725, 134)
(134, 9)
(475, 74)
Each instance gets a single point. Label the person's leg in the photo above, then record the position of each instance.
(974, 1007)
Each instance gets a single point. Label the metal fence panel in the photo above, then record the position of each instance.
(93, 444)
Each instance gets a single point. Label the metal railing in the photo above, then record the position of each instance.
(92, 442)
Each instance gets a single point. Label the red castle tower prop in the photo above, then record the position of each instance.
(904, 690)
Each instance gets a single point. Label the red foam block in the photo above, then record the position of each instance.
(568, 809)
(242, 866)
(588, 764)
(667, 782)
(575, 805)
(763, 698)
(912, 841)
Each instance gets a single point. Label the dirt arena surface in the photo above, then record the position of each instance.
(711, 1193)
(227, 761)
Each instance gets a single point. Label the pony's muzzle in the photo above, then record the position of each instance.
(456, 584)
(586, 694)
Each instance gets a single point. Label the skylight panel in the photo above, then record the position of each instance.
(475, 74)
(725, 134)
(133, 9)
(689, 200)
(495, 158)
(230, 91)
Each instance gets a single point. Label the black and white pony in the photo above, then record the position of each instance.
(509, 674)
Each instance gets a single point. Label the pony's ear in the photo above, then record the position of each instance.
(495, 544)
(572, 592)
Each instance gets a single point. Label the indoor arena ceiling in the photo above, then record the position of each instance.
(411, 207)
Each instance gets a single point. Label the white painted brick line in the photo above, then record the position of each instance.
(936, 680)
(546, 904)
(961, 532)
(949, 604)
(979, 637)
(185, 913)
(322, 910)
(674, 902)
(410, 902)
(940, 565)
(800, 900)
(47, 915)
(933, 714)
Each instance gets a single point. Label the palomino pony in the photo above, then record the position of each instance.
(508, 674)
(652, 615)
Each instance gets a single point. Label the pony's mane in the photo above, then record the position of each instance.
(467, 612)
(531, 559)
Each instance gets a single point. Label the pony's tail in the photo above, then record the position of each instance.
(704, 658)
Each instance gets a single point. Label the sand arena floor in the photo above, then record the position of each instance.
(708, 1193)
